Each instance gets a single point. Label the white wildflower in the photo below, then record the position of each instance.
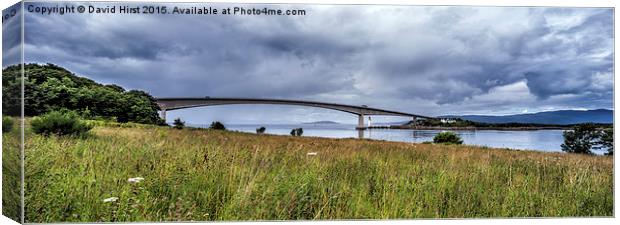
(111, 199)
(134, 180)
(311, 153)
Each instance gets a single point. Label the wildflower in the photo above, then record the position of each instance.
(111, 199)
(134, 180)
(311, 153)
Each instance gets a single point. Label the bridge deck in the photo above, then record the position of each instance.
(182, 103)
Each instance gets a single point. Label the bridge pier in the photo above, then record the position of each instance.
(415, 121)
(360, 122)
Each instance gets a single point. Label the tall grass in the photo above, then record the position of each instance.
(197, 175)
(11, 169)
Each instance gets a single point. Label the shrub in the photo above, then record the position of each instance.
(297, 131)
(260, 130)
(7, 124)
(447, 138)
(62, 122)
(178, 123)
(217, 126)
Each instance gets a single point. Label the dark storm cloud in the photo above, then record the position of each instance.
(417, 59)
(11, 36)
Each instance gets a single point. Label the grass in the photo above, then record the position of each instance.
(11, 172)
(198, 175)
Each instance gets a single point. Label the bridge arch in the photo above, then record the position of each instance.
(168, 104)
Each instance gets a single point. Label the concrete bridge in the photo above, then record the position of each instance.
(167, 104)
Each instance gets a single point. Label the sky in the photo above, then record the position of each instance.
(427, 60)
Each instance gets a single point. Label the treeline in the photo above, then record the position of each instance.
(458, 122)
(51, 88)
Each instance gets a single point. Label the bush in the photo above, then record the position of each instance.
(62, 122)
(447, 138)
(178, 123)
(7, 124)
(217, 126)
(297, 131)
(260, 130)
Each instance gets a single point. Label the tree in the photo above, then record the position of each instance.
(607, 140)
(216, 125)
(50, 88)
(447, 138)
(581, 139)
(178, 123)
(297, 131)
(11, 91)
(260, 130)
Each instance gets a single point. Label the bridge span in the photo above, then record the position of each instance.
(168, 104)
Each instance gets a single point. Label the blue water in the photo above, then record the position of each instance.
(540, 140)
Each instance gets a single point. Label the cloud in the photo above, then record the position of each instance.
(429, 60)
(11, 36)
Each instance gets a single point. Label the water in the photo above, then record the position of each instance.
(540, 140)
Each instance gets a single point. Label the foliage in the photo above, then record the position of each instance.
(216, 125)
(607, 140)
(260, 130)
(7, 124)
(447, 138)
(297, 132)
(458, 122)
(197, 175)
(50, 87)
(63, 122)
(178, 123)
(586, 137)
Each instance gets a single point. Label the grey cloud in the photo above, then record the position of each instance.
(11, 36)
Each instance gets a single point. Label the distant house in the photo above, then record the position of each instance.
(448, 120)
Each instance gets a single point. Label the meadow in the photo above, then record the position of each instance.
(205, 175)
(11, 172)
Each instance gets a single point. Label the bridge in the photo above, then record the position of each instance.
(168, 104)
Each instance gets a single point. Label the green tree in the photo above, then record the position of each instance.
(581, 139)
(216, 125)
(50, 88)
(447, 138)
(260, 130)
(607, 140)
(297, 131)
(178, 123)
(11, 91)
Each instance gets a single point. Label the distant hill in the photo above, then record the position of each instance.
(561, 117)
(322, 122)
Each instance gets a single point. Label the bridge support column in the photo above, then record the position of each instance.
(360, 122)
(415, 121)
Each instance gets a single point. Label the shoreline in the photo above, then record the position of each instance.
(398, 127)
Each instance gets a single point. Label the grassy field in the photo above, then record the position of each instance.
(11, 173)
(197, 175)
